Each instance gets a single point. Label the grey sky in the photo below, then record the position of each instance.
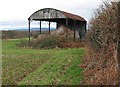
(14, 13)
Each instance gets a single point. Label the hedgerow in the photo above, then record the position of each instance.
(101, 42)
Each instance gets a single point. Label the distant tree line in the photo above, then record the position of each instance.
(12, 34)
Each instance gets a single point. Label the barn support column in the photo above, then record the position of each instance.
(81, 31)
(29, 29)
(66, 29)
(74, 30)
(40, 27)
(56, 25)
(85, 27)
(49, 27)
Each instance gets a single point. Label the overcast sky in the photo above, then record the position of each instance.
(14, 13)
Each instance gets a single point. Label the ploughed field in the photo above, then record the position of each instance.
(23, 66)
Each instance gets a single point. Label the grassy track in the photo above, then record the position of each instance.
(40, 67)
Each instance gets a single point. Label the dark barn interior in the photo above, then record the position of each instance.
(71, 21)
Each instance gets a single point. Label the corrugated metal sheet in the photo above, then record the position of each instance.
(50, 13)
(72, 16)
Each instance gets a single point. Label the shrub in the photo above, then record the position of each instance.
(46, 42)
(49, 42)
(34, 34)
(23, 43)
(102, 27)
(100, 44)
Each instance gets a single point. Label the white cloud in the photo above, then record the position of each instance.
(16, 12)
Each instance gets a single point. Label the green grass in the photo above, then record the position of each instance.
(40, 67)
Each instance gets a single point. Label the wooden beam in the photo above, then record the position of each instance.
(40, 27)
(56, 25)
(85, 27)
(66, 29)
(29, 29)
(74, 30)
(49, 27)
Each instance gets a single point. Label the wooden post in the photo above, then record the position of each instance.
(66, 29)
(56, 25)
(74, 30)
(40, 27)
(85, 27)
(29, 29)
(49, 27)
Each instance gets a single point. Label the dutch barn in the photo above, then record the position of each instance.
(71, 21)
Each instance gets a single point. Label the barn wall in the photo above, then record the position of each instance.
(80, 27)
(61, 22)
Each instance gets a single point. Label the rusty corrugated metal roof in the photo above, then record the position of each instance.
(72, 16)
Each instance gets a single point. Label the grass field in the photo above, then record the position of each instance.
(40, 67)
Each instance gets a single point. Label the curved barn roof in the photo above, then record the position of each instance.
(50, 13)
